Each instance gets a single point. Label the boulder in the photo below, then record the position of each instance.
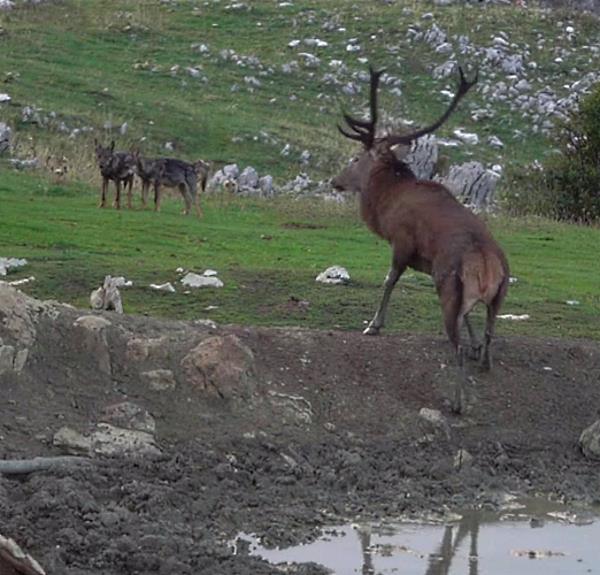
(6, 264)
(589, 441)
(221, 366)
(108, 440)
(434, 422)
(265, 183)
(111, 440)
(107, 297)
(422, 157)
(472, 184)
(13, 560)
(248, 179)
(18, 312)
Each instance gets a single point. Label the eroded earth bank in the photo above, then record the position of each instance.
(194, 432)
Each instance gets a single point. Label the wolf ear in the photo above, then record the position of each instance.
(96, 142)
(112, 146)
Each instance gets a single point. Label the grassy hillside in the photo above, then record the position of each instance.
(101, 64)
(93, 66)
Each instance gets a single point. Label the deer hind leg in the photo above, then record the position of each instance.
(492, 311)
(451, 298)
(474, 351)
(390, 281)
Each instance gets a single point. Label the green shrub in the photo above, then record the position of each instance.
(567, 185)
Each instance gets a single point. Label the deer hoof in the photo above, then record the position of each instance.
(371, 330)
(486, 363)
(474, 352)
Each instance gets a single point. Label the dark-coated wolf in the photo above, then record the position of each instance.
(173, 173)
(118, 167)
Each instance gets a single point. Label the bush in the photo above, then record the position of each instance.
(567, 185)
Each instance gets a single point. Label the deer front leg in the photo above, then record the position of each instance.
(379, 318)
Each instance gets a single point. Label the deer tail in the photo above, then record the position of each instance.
(483, 273)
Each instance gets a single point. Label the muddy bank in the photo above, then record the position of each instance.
(196, 432)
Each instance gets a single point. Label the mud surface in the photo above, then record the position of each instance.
(269, 431)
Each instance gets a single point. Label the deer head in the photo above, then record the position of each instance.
(355, 176)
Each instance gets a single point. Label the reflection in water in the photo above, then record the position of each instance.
(364, 535)
(478, 544)
(440, 563)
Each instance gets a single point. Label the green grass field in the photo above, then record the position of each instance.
(96, 65)
(268, 254)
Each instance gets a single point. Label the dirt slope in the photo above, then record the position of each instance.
(273, 431)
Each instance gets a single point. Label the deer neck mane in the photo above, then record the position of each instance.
(382, 188)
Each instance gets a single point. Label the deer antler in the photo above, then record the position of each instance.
(463, 88)
(364, 130)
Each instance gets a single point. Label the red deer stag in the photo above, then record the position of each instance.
(428, 229)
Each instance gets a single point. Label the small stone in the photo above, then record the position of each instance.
(168, 287)
(111, 440)
(466, 137)
(71, 441)
(159, 379)
(335, 275)
(196, 281)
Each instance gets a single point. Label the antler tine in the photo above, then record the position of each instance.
(464, 86)
(359, 137)
(356, 124)
(364, 130)
(375, 75)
